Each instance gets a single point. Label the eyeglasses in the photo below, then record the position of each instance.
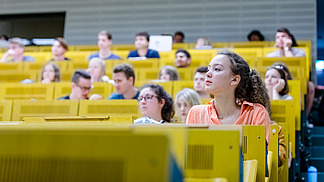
(84, 88)
(146, 98)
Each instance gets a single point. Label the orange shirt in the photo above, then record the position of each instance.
(251, 114)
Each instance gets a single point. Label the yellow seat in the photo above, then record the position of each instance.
(35, 91)
(250, 168)
(248, 52)
(273, 153)
(123, 47)
(27, 108)
(118, 107)
(283, 111)
(208, 150)
(6, 110)
(78, 119)
(295, 92)
(254, 147)
(11, 66)
(253, 44)
(10, 76)
(78, 56)
(37, 67)
(283, 171)
(179, 85)
(39, 56)
(85, 47)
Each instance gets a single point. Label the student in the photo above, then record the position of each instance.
(97, 70)
(15, 52)
(142, 40)
(178, 37)
(182, 59)
(104, 44)
(59, 47)
(168, 73)
(155, 104)
(81, 86)
(203, 43)
(276, 83)
(240, 96)
(286, 42)
(255, 35)
(50, 73)
(124, 81)
(199, 82)
(183, 102)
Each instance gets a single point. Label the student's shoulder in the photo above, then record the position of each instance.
(115, 96)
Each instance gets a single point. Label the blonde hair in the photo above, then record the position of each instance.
(189, 95)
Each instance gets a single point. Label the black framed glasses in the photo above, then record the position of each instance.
(146, 98)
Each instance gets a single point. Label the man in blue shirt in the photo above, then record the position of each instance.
(124, 79)
(142, 40)
(104, 44)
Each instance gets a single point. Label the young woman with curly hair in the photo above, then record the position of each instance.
(240, 96)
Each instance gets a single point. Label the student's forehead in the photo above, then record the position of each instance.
(220, 60)
(119, 75)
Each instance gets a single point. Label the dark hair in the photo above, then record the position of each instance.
(168, 108)
(62, 42)
(80, 74)
(179, 33)
(202, 69)
(285, 30)
(126, 69)
(251, 87)
(56, 71)
(4, 36)
(104, 32)
(285, 68)
(183, 51)
(257, 33)
(280, 70)
(172, 71)
(145, 34)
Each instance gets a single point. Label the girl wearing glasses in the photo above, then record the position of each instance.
(276, 83)
(156, 105)
(240, 96)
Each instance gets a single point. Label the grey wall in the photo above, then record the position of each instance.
(221, 20)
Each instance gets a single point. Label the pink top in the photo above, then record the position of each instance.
(251, 114)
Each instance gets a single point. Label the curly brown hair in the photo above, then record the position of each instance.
(251, 87)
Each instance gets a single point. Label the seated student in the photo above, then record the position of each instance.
(155, 104)
(81, 86)
(255, 35)
(276, 83)
(142, 40)
(50, 73)
(59, 47)
(182, 58)
(240, 96)
(168, 73)
(97, 70)
(199, 82)
(285, 41)
(124, 81)
(203, 43)
(104, 44)
(15, 52)
(178, 37)
(183, 102)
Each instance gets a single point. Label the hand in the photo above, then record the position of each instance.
(280, 85)
(10, 52)
(46, 81)
(95, 97)
(287, 42)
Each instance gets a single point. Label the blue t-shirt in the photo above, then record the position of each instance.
(112, 56)
(150, 54)
(120, 96)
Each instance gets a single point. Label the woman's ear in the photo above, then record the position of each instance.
(236, 80)
(162, 102)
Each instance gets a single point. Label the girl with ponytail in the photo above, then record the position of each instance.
(240, 96)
